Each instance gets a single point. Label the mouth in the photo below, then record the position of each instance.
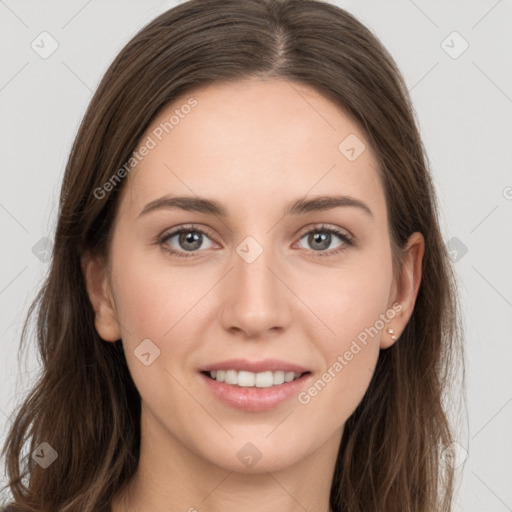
(254, 392)
(247, 379)
(254, 385)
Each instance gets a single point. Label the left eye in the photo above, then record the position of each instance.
(321, 237)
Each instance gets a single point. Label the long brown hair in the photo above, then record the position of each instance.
(85, 404)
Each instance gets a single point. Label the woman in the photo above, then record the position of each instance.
(296, 355)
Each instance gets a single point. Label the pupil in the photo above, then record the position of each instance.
(319, 238)
(190, 237)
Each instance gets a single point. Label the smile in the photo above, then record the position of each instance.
(248, 379)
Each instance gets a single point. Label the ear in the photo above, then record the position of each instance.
(406, 288)
(94, 269)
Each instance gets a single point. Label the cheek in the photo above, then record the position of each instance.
(153, 297)
(349, 356)
(162, 304)
(334, 395)
(352, 303)
(350, 299)
(156, 304)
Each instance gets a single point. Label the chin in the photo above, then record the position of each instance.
(254, 454)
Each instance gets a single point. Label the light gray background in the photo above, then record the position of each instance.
(464, 109)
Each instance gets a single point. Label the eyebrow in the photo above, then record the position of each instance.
(209, 206)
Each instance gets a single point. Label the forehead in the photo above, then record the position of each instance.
(253, 141)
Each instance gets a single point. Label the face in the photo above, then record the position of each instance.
(251, 284)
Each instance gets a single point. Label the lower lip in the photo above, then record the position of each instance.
(255, 399)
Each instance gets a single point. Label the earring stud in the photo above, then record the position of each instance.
(392, 332)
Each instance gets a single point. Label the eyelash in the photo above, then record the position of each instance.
(348, 240)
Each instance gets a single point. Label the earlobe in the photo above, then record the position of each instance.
(100, 296)
(407, 288)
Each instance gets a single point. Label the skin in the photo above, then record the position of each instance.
(255, 147)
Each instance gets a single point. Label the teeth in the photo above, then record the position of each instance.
(244, 379)
(250, 379)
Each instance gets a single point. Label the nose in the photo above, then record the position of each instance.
(256, 300)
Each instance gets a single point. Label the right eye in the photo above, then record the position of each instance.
(189, 239)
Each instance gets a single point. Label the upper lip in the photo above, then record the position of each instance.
(254, 366)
